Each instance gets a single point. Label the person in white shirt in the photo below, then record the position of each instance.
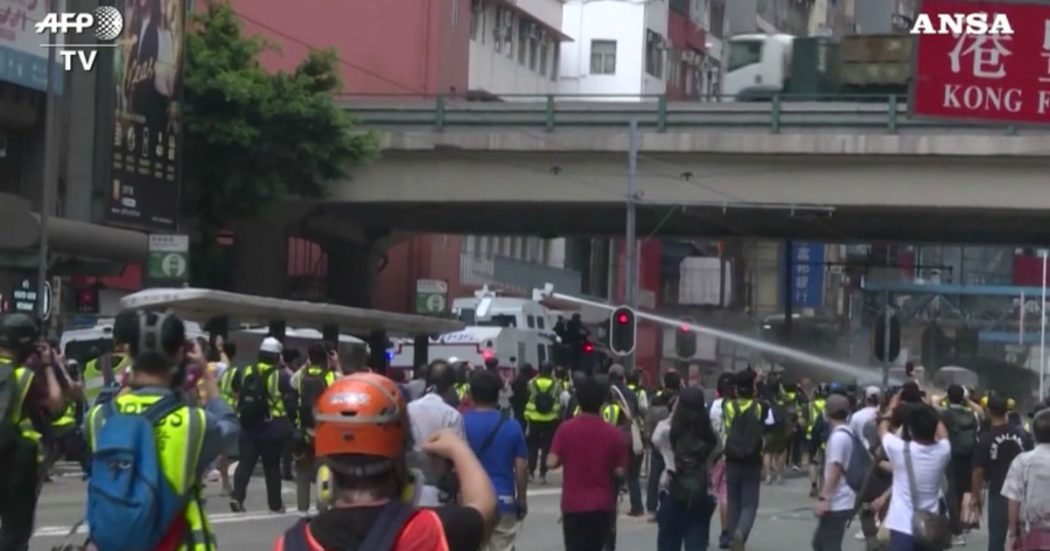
(860, 419)
(428, 416)
(835, 505)
(930, 452)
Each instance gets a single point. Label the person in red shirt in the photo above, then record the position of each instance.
(594, 455)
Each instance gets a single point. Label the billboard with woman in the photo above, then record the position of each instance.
(144, 174)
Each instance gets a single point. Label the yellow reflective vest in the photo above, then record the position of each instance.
(611, 414)
(543, 385)
(732, 408)
(462, 389)
(93, 381)
(816, 411)
(180, 438)
(273, 386)
(23, 379)
(226, 386)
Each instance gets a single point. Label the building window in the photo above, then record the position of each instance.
(477, 21)
(554, 63)
(545, 54)
(672, 68)
(534, 46)
(523, 37)
(654, 54)
(603, 57)
(502, 31)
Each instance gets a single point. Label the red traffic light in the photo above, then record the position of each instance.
(623, 318)
(588, 347)
(684, 328)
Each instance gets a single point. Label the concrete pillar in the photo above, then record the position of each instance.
(351, 271)
(261, 258)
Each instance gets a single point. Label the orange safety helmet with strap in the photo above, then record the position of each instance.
(362, 431)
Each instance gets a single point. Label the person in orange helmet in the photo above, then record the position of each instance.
(361, 437)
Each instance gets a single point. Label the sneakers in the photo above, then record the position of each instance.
(723, 540)
(959, 541)
(543, 480)
(237, 506)
(859, 536)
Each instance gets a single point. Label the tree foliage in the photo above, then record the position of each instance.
(252, 136)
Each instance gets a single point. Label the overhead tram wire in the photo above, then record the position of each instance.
(545, 137)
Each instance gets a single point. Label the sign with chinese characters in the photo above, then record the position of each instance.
(169, 259)
(22, 60)
(995, 77)
(807, 275)
(431, 296)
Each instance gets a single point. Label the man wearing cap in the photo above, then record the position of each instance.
(996, 450)
(835, 504)
(261, 438)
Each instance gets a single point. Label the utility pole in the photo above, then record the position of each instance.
(888, 324)
(631, 238)
(50, 173)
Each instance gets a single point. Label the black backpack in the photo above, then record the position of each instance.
(310, 389)
(544, 400)
(253, 401)
(9, 431)
(744, 440)
(963, 433)
(689, 482)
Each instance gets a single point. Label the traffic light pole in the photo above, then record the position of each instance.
(47, 198)
(887, 319)
(630, 239)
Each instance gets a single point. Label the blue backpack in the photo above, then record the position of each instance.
(130, 504)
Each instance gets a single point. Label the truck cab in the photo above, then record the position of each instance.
(759, 66)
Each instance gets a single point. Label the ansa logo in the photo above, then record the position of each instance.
(962, 23)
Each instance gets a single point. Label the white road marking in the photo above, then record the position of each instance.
(234, 518)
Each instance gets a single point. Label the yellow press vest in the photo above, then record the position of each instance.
(816, 410)
(462, 389)
(23, 379)
(226, 386)
(312, 371)
(180, 437)
(92, 377)
(611, 414)
(639, 392)
(68, 417)
(732, 408)
(546, 385)
(273, 386)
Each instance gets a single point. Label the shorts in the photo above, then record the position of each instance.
(717, 481)
(816, 452)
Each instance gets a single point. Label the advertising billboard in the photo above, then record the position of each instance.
(146, 146)
(989, 72)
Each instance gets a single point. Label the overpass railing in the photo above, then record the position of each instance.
(549, 112)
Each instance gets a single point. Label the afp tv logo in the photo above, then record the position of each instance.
(105, 23)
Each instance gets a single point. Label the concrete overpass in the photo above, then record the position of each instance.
(814, 170)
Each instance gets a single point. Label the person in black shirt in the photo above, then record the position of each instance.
(996, 449)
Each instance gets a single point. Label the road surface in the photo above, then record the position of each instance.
(785, 520)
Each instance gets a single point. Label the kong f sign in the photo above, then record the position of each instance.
(961, 73)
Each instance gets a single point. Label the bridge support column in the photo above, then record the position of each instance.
(351, 271)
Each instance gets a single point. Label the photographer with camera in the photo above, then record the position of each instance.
(30, 394)
(166, 444)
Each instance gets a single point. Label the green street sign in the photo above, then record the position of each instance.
(431, 296)
(169, 259)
